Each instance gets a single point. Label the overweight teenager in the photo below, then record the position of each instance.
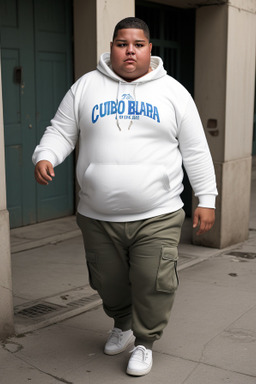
(136, 126)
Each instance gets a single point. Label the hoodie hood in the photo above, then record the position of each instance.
(105, 68)
(156, 64)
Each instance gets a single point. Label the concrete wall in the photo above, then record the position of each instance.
(224, 89)
(6, 302)
(94, 22)
(85, 49)
(239, 82)
(109, 13)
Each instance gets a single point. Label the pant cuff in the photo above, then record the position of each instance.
(124, 325)
(146, 343)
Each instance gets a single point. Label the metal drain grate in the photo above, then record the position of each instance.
(243, 255)
(46, 309)
(83, 301)
(36, 310)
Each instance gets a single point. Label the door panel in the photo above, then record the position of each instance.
(52, 70)
(58, 194)
(54, 76)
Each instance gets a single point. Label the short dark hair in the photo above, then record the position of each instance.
(132, 22)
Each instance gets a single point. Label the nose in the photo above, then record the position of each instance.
(130, 49)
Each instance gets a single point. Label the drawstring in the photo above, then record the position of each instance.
(117, 97)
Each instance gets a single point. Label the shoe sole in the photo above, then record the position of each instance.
(133, 372)
(116, 352)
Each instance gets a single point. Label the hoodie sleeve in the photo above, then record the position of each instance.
(196, 156)
(60, 137)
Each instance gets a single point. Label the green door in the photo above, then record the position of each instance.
(36, 72)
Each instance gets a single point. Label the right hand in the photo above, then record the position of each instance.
(44, 172)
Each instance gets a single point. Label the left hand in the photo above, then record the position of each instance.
(204, 218)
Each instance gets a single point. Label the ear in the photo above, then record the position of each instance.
(150, 47)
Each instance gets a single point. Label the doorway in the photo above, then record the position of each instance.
(172, 33)
(36, 61)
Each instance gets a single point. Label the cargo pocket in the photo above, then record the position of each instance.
(167, 276)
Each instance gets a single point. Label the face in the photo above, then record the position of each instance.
(130, 54)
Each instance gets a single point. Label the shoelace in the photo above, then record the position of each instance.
(115, 334)
(139, 352)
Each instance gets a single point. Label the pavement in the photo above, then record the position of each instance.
(61, 327)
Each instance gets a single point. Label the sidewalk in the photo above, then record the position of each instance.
(210, 339)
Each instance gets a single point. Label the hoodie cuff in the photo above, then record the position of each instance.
(44, 155)
(207, 201)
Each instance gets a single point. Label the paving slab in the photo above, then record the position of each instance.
(37, 235)
(15, 370)
(234, 348)
(48, 270)
(205, 374)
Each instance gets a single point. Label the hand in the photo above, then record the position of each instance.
(204, 218)
(44, 172)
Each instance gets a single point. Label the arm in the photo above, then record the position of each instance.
(199, 166)
(60, 137)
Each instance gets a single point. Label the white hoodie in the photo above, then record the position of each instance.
(133, 137)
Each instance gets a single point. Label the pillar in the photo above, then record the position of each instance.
(224, 94)
(6, 301)
(94, 22)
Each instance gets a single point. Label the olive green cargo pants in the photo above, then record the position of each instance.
(132, 265)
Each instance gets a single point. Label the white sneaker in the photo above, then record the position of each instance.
(140, 362)
(118, 341)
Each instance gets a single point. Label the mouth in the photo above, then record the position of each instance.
(130, 60)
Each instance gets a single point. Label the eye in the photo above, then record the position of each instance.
(138, 45)
(121, 45)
